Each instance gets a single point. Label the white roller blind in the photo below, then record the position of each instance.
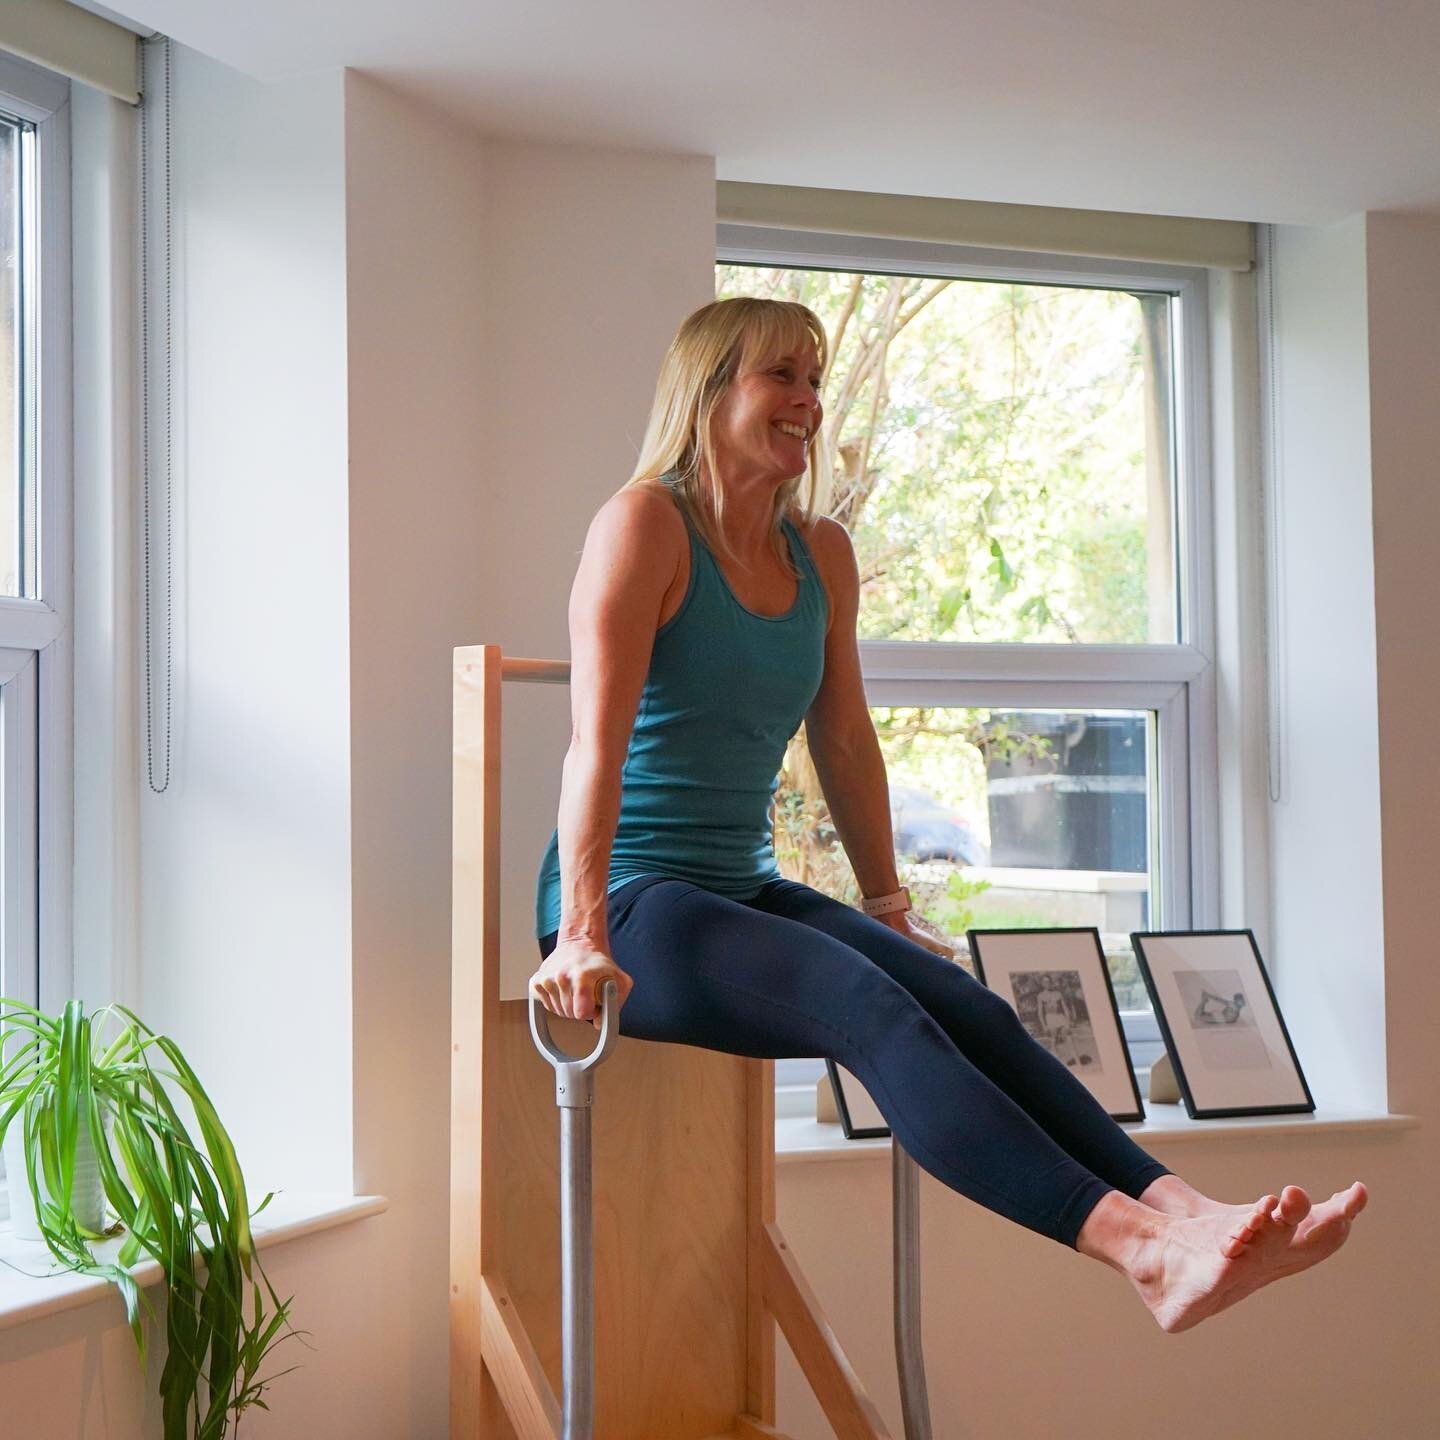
(73, 42)
(1102, 234)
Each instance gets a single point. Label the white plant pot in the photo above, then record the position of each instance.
(87, 1195)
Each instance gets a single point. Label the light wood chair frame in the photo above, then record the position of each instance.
(691, 1271)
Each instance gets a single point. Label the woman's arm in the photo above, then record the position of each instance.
(631, 559)
(842, 736)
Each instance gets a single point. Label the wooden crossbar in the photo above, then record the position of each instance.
(791, 1300)
(511, 1359)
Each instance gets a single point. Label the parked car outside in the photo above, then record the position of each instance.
(930, 830)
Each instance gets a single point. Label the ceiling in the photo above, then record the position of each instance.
(1299, 111)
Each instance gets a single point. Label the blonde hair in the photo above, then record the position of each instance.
(711, 350)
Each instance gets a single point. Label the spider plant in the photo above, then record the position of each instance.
(180, 1203)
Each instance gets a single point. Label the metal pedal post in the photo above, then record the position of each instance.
(909, 1352)
(574, 1091)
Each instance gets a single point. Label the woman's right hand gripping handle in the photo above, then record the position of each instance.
(569, 981)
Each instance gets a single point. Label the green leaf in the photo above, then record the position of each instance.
(74, 1062)
(951, 602)
(1000, 567)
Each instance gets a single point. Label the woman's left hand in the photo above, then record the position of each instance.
(914, 927)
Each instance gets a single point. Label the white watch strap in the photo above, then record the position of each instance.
(887, 904)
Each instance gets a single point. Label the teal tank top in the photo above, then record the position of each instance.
(725, 691)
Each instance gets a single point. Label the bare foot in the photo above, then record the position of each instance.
(1187, 1268)
(1324, 1228)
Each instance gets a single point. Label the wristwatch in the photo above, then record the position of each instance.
(887, 904)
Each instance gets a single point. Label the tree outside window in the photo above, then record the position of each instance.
(1002, 457)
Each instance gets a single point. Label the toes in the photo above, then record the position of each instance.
(1294, 1206)
(1254, 1223)
(1262, 1213)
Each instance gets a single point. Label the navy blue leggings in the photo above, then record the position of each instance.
(792, 973)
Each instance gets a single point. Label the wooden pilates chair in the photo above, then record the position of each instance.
(690, 1272)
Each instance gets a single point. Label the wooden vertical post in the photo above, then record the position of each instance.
(759, 1214)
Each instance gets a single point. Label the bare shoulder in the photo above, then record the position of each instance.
(639, 518)
(834, 554)
(829, 541)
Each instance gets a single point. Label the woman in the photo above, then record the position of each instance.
(711, 614)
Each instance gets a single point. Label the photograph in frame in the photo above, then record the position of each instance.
(1222, 1024)
(1057, 982)
(860, 1116)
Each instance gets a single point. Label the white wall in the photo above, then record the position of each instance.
(420, 363)
(1325, 829)
(1403, 267)
(245, 859)
(1402, 255)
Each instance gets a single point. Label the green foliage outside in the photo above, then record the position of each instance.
(987, 448)
(1000, 456)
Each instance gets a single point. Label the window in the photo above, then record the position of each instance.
(1016, 444)
(35, 678)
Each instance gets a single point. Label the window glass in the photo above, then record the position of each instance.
(35, 781)
(1002, 454)
(17, 548)
(1003, 819)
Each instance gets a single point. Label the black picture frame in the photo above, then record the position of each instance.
(854, 1104)
(1071, 960)
(1221, 1055)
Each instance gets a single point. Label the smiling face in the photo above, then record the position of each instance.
(764, 424)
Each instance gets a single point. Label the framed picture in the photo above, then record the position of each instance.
(1059, 985)
(1224, 1031)
(860, 1116)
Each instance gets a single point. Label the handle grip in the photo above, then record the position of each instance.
(573, 1087)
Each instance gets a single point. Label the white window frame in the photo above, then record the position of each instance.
(19, 820)
(1176, 681)
(36, 668)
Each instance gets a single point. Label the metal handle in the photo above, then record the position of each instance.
(574, 1086)
(909, 1352)
(573, 1083)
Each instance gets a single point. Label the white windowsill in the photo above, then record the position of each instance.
(802, 1139)
(33, 1286)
